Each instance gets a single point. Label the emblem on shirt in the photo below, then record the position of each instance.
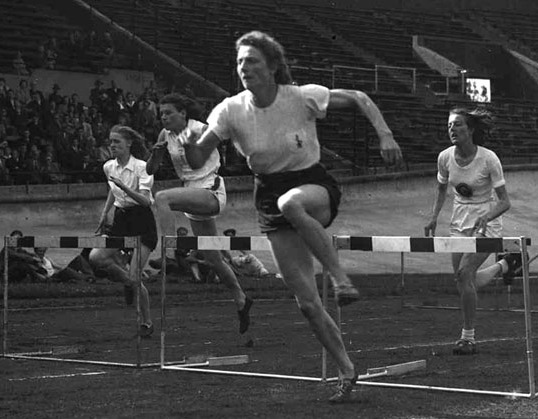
(464, 190)
(298, 141)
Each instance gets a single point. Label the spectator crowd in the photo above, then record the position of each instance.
(53, 137)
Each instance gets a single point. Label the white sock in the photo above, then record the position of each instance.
(504, 265)
(467, 334)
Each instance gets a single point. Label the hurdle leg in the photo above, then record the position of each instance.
(528, 318)
(163, 300)
(4, 320)
(325, 292)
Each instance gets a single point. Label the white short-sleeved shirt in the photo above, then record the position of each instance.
(279, 137)
(203, 177)
(133, 175)
(473, 186)
(480, 177)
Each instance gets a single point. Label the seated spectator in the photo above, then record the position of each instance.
(4, 172)
(36, 106)
(34, 89)
(23, 92)
(78, 106)
(35, 126)
(55, 273)
(3, 92)
(23, 266)
(32, 166)
(11, 104)
(114, 92)
(19, 65)
(13, 166)
(131, 105)
(55, 96)
(104, 152)
(20, 117)
(90, 171)
(50, 171)
(95, 93)
(245, 264)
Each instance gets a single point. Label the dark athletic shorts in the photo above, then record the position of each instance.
(268, 188)
(135, 221)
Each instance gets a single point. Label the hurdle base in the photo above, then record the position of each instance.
(399, 369)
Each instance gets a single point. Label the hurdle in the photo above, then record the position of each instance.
(68, 242)
(403, 244)
(256, 243)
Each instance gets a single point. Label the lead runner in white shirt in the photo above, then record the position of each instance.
(201, 196)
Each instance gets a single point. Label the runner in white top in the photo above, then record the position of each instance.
(474, 173)
(272, 123)
(201, 196)
(130, 195)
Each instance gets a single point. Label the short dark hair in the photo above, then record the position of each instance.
(230, 232)
(16, 233)
(182, 102)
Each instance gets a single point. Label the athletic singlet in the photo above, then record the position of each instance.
(278, 138)
(203, 177)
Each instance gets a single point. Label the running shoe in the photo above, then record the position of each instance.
(344, 390)
(244, 317)
(346, 294)
(465, 347)
(514, 267)
(146, 330)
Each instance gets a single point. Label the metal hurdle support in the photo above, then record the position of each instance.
(260, 243)
(455, 245)
(68, 242)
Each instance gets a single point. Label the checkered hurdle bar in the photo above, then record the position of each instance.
(73, 242)
(217, 242)
(368, 244)
(431, 244)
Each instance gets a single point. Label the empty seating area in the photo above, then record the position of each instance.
(519, 27)
(43, 34)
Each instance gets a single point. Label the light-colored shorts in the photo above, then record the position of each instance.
(492, 231)
(219, 192)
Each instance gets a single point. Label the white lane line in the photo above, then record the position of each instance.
(45, 377)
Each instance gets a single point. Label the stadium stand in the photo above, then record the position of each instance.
(63, 137)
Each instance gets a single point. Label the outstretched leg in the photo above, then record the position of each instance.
(296, 265)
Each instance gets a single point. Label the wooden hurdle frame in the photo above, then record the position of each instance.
(399, 244)
(69, 242)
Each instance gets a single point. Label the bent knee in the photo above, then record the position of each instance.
(161, 198)
(289, 207)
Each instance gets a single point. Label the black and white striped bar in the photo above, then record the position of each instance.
(431, 244)
(369, 244)
(217, 242)
(73, 242)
